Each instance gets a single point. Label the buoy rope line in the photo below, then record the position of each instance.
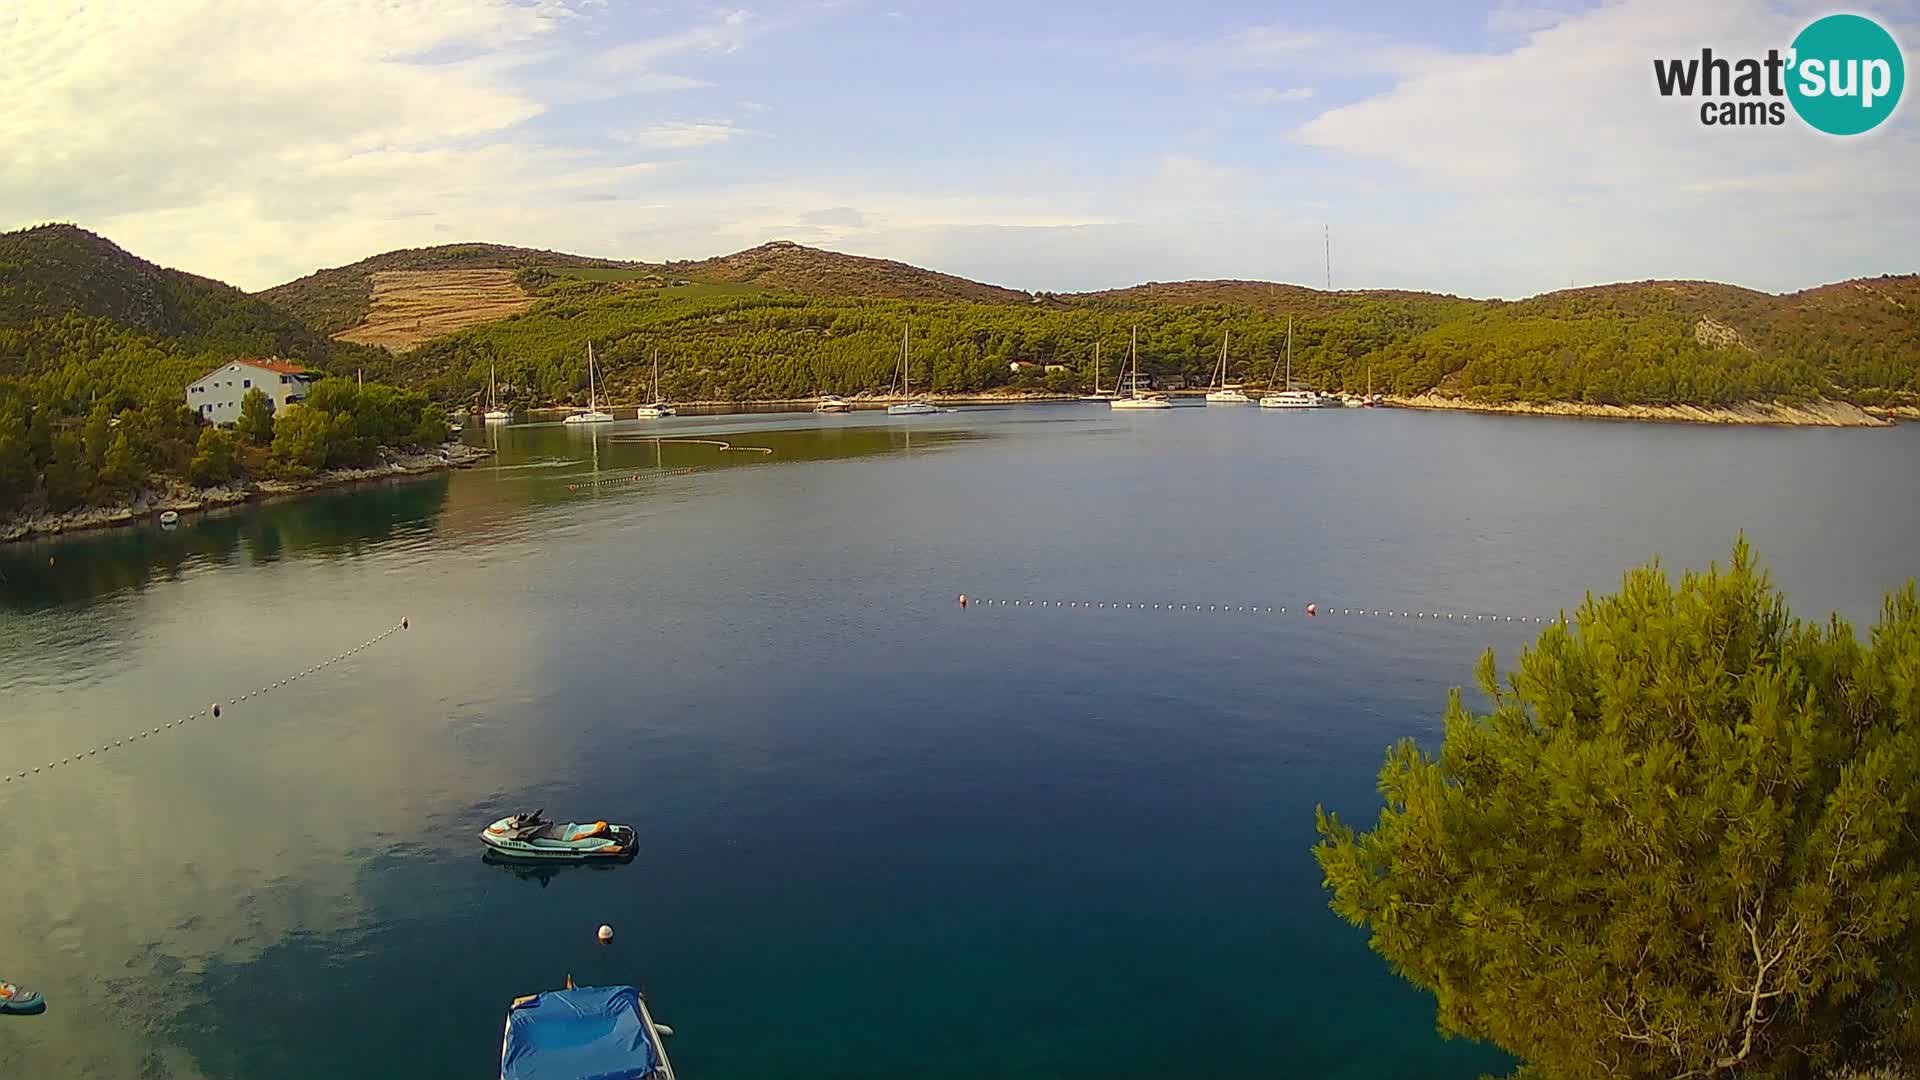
(724, 446)
(635, 478)
(213, 710)
(1314, 609)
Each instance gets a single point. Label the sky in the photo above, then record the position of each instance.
(1499, 150)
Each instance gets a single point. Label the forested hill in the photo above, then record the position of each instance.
(82, 320)
(1645, 343)
(53, 271)
(338, 299)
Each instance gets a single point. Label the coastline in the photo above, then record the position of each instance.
(184, 499)
(1821, 413)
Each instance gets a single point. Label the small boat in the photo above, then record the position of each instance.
(1224, 394)
(833, 403)
(169, 517)
(659, 407)
(20, 1000)
(494, 414)
(584, 1033)
(1135, 399)
(913, 406)
(1291, 398)
(532, 836)
(593, 415)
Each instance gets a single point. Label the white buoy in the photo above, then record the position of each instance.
(606, 933)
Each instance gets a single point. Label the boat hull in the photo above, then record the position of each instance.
(1140, 403)
(915, 408)
(623, 847)
(588, 418)
(653, 412)
(1228, 397)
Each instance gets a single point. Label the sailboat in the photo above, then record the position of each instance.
(659, 407)
(1098, 394)
(912, 406)
(1226, 395)
(494, 414)
(1290, 398)
(593, 415)
(1372, 400)
(1135, 399)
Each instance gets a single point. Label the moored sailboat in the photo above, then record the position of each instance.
(593, 415)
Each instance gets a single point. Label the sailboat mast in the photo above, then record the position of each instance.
(1289, 352)
(593, 391)
(656, 373)
(1134, 349)
(906, 370)
(1096, 366)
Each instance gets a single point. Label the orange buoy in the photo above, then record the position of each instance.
(1313, 609)
(963, 599)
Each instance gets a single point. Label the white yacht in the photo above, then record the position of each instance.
(1098, 394)
(1291, 398)
(659, 407)
(1135, 399)
(833, 403)
(912, 406)
(1224, 394)
(593, 415)
(494, 414)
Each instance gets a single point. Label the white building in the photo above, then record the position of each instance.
(215, 396)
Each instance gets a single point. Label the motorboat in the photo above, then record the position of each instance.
(1135, 399)
(20, 1000)
(584, 1033)
(833, 403)
(169, 517)
(1222, 394)
(659, 407)
(593, 415)
(532, 836)
(912, 406)
(1291, 398)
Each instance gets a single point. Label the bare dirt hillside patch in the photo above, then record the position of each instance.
(411, 306)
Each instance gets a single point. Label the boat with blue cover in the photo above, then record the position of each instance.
(532, 836)
(584, 1033)
(19, 999)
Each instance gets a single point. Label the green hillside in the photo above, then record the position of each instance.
(81, 320)
(1644, 343)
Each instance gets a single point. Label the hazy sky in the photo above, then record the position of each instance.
(1486, 151)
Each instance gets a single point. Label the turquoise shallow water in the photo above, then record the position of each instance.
(882, 836)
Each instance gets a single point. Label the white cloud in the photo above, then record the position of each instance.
(679, 134)
(1270, 95)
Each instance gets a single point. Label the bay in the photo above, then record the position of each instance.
(882, 835)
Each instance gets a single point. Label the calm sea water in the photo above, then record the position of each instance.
(882, 836)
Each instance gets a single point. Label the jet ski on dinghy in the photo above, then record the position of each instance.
(532, 836)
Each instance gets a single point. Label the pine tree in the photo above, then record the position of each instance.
(1684, 842)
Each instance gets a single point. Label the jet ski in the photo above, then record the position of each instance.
(532, 836)
(19, 999)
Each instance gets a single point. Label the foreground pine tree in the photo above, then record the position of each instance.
(1684, 842)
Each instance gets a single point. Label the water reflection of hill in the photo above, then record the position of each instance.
(535, 466)
(48, 573)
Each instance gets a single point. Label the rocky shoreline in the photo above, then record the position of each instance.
(1770, 413)
(183, 499)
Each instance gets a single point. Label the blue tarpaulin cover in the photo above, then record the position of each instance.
(587, 1033)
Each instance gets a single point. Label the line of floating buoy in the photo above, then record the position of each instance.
(1314, 609)
(635, 478)
(213, 709)
(724, 446)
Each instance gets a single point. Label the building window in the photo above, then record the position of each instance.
(247, 383)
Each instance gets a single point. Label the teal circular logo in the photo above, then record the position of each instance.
(1846, 74)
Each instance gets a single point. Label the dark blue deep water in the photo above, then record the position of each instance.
(882, 836)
